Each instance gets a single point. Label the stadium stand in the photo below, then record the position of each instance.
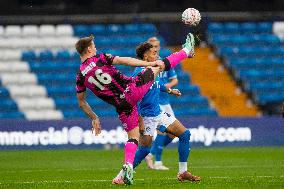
(39, 80)
(254, 54)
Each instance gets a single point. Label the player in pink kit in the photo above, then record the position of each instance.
(98, 74)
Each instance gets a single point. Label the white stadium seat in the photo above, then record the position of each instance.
(18, 79)
(25, 104)
(43, 115)
(12, 31)
(30, 31)
(1, 31)
(278, 29)
(17, 91)
(46, 30)
(64, 30)
(10, 55)
(14, 66)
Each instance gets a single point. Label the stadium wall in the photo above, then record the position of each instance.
(76, 134)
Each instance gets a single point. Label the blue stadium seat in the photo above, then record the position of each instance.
(28, 55)
(4, 93)
(114, 29)
(63, 55)
(148, 28)
(81, 30)
(12, 115)
(231, 27)
(248, 27)
(216, 27)
(132, 29)
(45, 55)
(264, 27)
(97, 29)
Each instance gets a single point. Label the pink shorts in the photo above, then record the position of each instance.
(135, 91)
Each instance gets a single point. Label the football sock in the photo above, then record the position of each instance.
(183, 150)
(141, 153)
(130, 150)
(167, 140)
(157, 147)
(182, 167)
(172, 60)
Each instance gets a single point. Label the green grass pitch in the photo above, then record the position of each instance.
(219, 168)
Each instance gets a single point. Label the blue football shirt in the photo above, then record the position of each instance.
(149, 105)
(165, 77)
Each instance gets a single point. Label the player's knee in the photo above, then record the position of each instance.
(146, 141)
(162, 128)
(185, 136)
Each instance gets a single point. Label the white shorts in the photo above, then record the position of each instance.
(152, 123)
(167, 108)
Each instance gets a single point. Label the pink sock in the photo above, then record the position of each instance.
(129, 152)
(176, 57)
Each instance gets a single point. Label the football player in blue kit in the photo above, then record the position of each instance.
(154, 118)
(169, 80)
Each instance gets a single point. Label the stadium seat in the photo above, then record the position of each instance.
(97, 29)
(248, 27)
(30, 31)
(148, 28)
(231, 27)
(45, 55)
(264, 27)
(114, 29)
(216, 27)
(28, 55)
(1, 31)
(12, 115)
(132, 28)
(63, 55)
(43, 115)
(63, 30)
(12, 31)
(81, 30)
(46, 30)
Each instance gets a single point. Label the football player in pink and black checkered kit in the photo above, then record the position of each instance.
(98, 74)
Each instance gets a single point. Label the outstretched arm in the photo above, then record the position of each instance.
(83, 104)
(173, 82)
(131, 62)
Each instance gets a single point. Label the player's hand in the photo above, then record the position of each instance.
(160, 64)
(96, 126)
(176, 92)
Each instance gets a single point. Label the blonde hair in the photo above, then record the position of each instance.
(153, 39)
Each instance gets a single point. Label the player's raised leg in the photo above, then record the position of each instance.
(187, 52)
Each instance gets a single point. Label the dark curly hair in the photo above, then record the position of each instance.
(142, 48)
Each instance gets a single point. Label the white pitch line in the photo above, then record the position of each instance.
(103, 180)
(116, 169)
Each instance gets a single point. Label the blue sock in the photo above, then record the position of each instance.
(167, 140)
(157, 146)
(141, 153)
(184, 146)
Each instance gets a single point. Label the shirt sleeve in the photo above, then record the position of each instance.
(80, 86)
(108, 58)
(172, 74)
(137, 71)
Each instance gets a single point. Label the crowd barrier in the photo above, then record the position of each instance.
(77, 134)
